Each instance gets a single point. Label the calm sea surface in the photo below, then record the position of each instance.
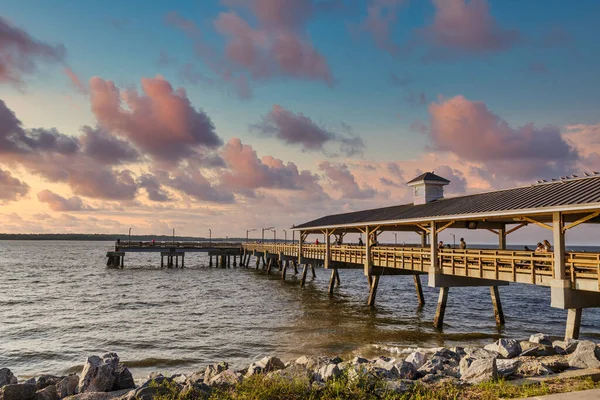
(59, 304)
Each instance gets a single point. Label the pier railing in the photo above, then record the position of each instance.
(583, 269)
(176, 245)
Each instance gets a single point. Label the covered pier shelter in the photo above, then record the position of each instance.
(558, 206)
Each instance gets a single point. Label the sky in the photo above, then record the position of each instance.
(233, 115)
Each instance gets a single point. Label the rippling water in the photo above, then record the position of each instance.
(59, 304)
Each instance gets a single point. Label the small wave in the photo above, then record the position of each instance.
(160, 362)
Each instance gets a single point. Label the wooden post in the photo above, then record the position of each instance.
(300, 243)
(419, 289)
(312, 267)
(337, 276)
(559, 246)
(573, 323)
(433, 265)
(122, 261)
(295, 267)
(332, 282)
(285, 266)
(182, 260)
(327, 260)
(234, 263)
(269, 261)
(438, 321)
(498, 313)
(502, 238)
(423, 239)
(367, 266)
(257, 261)
(373, 292)
(162, 261)
(304, 271)
(176, 261)
(228, 261)
(210, 264)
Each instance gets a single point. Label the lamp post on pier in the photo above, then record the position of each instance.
(285, 236)
(395, 238)
(248, 231)
(263, 233)
(453, 240)
(130, 236)
(173, 235)
(209, 236)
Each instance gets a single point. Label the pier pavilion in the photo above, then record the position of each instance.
(558, 206)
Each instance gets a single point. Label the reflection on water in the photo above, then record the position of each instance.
(59, 304)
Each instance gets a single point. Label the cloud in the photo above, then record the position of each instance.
(20, 53)
(11, 188)
(342, 180)
(75, 81)
(469, 130)
(58, 203)
(105, 148)
(298, 129)
(192, 182)
(464, 26)
(381, 18)
(153, 188)
(160, 121)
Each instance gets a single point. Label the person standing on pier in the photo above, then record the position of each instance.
(463, 244)
(360, 242)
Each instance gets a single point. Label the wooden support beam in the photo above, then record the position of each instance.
(560, 271)
(573, 323)
(373, 292)
(581, 221)
(438, 321)
(419, 289)
(424, 228)
(516, 228)
(498, 313)
(533, 221)
(304, 271)
(493, 231)
(332, 281)
(445, 226)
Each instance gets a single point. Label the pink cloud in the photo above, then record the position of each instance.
(469, 130)
(11, 188)
(75, 81)
(298, 129)
(468, 27)
(344, 181)
(20, 53)
(57, 202)
(106, 148)
(192, 182)
(160, 121)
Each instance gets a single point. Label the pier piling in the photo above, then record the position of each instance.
(419, 289)
(438, 321)
(373, 292)
(573, 323)
(304, 271)
(498, 313)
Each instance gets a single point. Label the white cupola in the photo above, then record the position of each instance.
(427, 187)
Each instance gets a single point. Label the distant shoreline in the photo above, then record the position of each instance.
(108, 237)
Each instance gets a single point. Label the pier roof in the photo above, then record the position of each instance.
(566, 195)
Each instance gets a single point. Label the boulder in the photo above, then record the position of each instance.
(214, 370)
(565, 347)
(541, 338)
(303, 360)
(117, 395)
(123, 378)
(67, 386)
(359, 360)
(477, 370)
(417, 358)
(265, 365)
(17, 391)
(47, 380)
(295, 372)
(447, 354)
(47, 393)
(144, 393)
(406, 370)
(7, 377)
(535, 349)
(556, 363)
(98, 373)
(586, 355)
(507, 368)
(507, 348)
(329, 372)
(225, 378)
(196, 377)
(31, 381)
(182, 379)
(531, 366)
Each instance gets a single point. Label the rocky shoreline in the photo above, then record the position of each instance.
(106, 378)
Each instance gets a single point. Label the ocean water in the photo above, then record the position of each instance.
(60, 304)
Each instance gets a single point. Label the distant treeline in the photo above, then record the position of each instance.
(108, 237)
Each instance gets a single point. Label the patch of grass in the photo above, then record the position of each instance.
(259, 387)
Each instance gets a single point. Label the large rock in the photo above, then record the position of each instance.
(535, 349)
(531, 366)
(7, 377)
(265, 365)
(17, 391)
(329, 372)
(47, 393)
(477, 370)
(67, 386)
(117, 395)
(98, 374)
(214, 370)
(47, 380)
(507, 348)
(541, 338)
(565, 347)
(123, 378)
(293, 373)
(406, 370)
(227, 377)
(507, 368)
(586, 355)
(417, 358)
